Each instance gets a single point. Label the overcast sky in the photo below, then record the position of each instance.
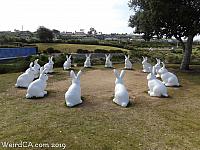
(107, 16)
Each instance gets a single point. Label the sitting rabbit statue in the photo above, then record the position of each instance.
(168, 78)
(36, 67)
(156, 87)
(73, 94)
(121, 94)
(157, 67)
(146, 66)
(67, 63)
(87, 63)
(49, 66)
(108, 63)
(128, 64)
(26, 78)
(37, 87)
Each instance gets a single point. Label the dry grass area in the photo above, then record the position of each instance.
(71, 48)
(98, 123)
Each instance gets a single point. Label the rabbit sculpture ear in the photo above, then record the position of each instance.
(121, 75)
(163, 64)
(70, 56)
(153, 71)
(51, 58)
(79, 74)
(31, 66)
(143, 57)
(125, 56)
(72, 74)
(116, 73)
(106, 55)
(67, 56)
(128, 56)
(44, 71)
(41, 69)
(36, 61)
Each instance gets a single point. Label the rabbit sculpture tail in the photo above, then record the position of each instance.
(73, 94)
(168, 78)
(121, 94)
(87, 63)
(26, 78)
(128, 64)
(147, 67)
(156, 87)
(67, 63)
(49, 65)
(37, 87)
(108, 63)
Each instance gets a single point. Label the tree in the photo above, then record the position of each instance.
(164, 18)
(45, 34)
(92, 31)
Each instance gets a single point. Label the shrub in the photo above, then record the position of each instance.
(82, 51)
(101, 51)
(51, 50)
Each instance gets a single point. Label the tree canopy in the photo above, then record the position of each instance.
(45, 34)
(174, 18)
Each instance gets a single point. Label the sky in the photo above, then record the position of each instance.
(107, 16)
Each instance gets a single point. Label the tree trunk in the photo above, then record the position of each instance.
(187, 53)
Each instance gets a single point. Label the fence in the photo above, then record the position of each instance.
(10, 53)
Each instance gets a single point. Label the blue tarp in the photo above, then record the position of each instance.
(9, 53)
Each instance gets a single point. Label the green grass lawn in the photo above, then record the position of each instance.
(70, 48)
(172, 123)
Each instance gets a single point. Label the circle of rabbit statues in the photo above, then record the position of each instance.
(36, 88)
(108, 63)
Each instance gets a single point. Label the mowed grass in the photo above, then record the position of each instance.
(149, 123)
(70, 48)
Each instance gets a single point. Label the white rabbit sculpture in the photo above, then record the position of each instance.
(37, 87)
(26, 78)
(36, 67)
(73, 94)
(157, 67)
(121, 94)
(108, 63)
(128, 64)
(49, 66)
(168, 78)
(87, 63)
(156, 87)
(67, 63)
(147, 67)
